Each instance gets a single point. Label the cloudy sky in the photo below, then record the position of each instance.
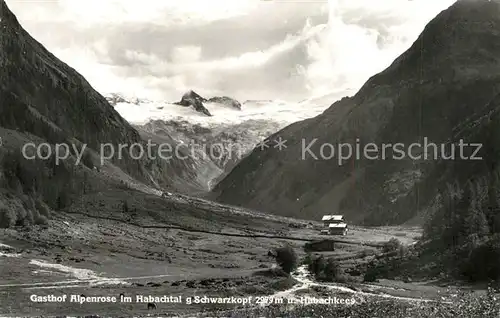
(248, 49)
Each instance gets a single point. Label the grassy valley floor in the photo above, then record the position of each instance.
(179, 247)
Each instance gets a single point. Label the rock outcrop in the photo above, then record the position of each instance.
(224, 100)
(191, 98)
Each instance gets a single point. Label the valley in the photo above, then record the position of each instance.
(81, 252)
(243, 225)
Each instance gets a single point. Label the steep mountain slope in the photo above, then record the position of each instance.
(43, 100)
(44, 96)
(443, 88)
(217, 148)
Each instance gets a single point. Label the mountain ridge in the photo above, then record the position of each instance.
(46, 102)
(193, 99)
(426, 92)
(20, 52)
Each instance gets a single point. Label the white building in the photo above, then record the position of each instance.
(335, 224)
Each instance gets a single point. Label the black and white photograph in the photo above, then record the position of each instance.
(250, 158)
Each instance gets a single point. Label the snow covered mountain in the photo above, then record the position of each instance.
(140, 111)
(225, 137)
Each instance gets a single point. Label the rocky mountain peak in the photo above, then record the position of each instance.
(191, 98)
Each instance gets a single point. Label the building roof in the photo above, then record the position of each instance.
(332, 218)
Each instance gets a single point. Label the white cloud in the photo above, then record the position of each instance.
(163, 12)
(248, 48)
(363, 37)
(186, 54)
(191, 61)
